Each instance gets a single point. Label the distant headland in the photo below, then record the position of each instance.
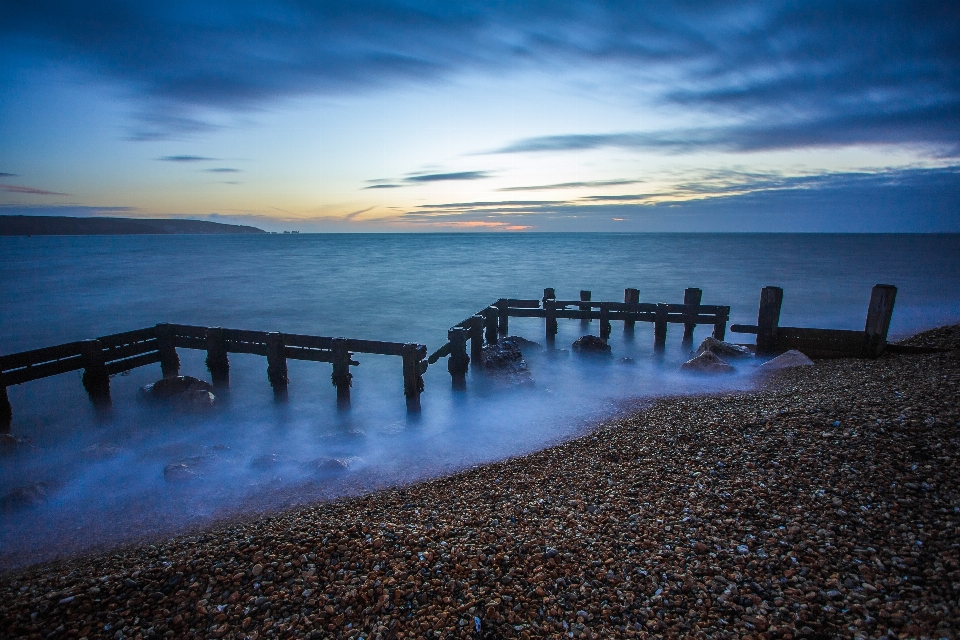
(68, 226)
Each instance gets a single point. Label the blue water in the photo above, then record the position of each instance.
(105, 479)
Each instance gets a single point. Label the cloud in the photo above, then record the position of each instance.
(8, 175)
(572, 185)
(185, 159)
(30, 190)
(74, 210)
(223, 170)
(442, 177)
(384, 186)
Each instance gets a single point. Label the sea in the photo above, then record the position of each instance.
(97, 482)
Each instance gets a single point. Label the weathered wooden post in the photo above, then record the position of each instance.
(218, 363)
(503, 319)
(585, 297)
(768, 318)
(691, 296)
(342, 378)
(720, 323)
(490, 319)
(476, 340)
(413, 369)
(550, 315)
(605, 328)
(878, 319)
(277, 366)
(169, 360)
(96, 380)
(458, 361)
(630, 296)
(660, 328)
(6, 411)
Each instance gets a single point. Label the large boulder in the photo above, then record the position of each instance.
(183, 392)
(706, 362)
(592, 346)
(788, 360)
(723, 349)
(504, 360)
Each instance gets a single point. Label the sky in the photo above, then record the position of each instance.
(485, 116)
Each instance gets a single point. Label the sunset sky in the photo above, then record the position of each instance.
(445, 116)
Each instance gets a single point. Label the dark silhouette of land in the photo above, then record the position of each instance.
(67, 226)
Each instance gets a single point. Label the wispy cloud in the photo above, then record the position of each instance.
(383, 186)
(442, 177)
(12, 188)
(572, 185)
(8, 175)
(223, 170)
(185, 159)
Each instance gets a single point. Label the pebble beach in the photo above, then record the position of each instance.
(825, 503)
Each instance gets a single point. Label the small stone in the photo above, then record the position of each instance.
(257, 570)
(706, 362)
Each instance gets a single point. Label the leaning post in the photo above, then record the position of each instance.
(218, 363)
(169, 360)
(768, 319)
(585, 297)
(414, 366)
(630, 296)
(277, 366)
(691, 296)
(879, 314)
(660, 328)
(96, 380)
(458, 361)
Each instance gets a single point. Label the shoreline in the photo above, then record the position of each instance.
(665, 522)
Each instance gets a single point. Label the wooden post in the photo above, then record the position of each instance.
(550, 322)
(878, 319)
(476, 340)
(342, 378)
(6, 411)
(458, 361)
(96, 380)
(768, 319)
(691, 296)
(720, 324)
(413, 369)
(218, 363)
(630, 296)
(503, 321)
(490, 318)
(585, 297)
(169, 360)
(277, 366)
(660, 328)
(605, 328)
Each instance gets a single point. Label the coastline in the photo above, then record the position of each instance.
(666, 522)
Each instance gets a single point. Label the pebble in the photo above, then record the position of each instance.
(839, 481)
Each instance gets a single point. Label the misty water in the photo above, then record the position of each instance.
(105, 478)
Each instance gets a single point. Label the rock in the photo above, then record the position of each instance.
(184, 392)
(504, 360)
(723, 349)
(524, 344)
(24, 497)
(100, 451)
(8, 443)
(186, 469)
(706, 362)
(790, 359)
(329, 465)
(592, 345)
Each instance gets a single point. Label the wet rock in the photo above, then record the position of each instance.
(269, 461)
(8, 443)
(527, 346)
(100, 451)
(24, 497)
(186, 469)
(592, 345)
(706, 362)
(788, 360)
(726, 350)
(183, 392)
(504, 361)
(329, 465)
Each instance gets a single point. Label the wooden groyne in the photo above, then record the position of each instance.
(109, 355)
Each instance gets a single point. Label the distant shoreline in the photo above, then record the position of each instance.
(19, 225)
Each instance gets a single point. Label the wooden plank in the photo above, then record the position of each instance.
(217, 361)
(660, 329)
(342, 378)
(442, 352)
(96, 379)
(166, 344)
(119, 366)
(245, 335)
(585, 296)
(530, 313)
(630, 296)
(414, 367)
(255, 348)
(744, 328)
(475, 334)
(312, 342)
(605, 328)
(276, 365)
(39, 356)
(459, 361)
(833, 335)
(720, 324)
(189, 342)
(376, 346)
(490, 325)
(515, 303)
(45, 370)
(127, 337)
(189, 331)
(691, 298)
(130, 350)
(503, 317)
(310, 355)
(6, 411)
(768, 318)
(879, 313)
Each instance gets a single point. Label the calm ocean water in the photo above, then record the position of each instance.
(105, 481)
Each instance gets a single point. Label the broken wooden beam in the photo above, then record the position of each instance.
(879, 313)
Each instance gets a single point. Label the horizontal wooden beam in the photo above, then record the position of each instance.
(45, 370)
(119, 366)
(39, 356)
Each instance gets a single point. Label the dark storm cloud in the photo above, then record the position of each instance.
(792, 74)
(443, 177)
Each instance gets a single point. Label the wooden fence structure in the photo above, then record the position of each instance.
(773, 339)
(494, 320)
(109, 355)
